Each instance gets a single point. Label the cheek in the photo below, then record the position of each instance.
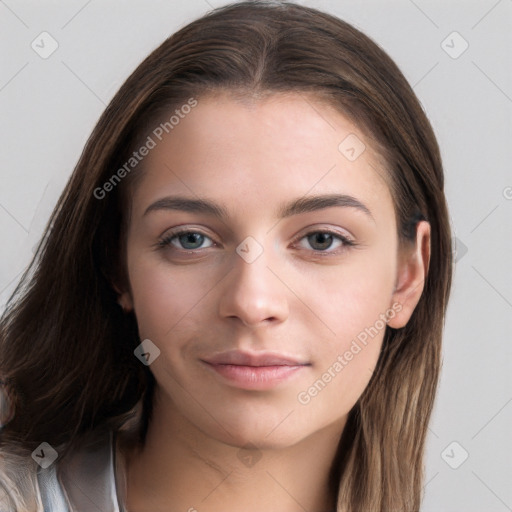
(354, 304)
(163, 298)
(351, 296)
(345, 363)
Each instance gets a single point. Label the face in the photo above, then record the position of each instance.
(269, 308)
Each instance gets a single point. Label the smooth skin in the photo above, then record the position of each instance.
(212, 445)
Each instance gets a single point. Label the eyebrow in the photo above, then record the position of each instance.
(295, 207)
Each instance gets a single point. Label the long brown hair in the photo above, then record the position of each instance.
(66, 346)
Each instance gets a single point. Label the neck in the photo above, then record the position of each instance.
(180, 465)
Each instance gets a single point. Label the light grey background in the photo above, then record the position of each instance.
(49, 107)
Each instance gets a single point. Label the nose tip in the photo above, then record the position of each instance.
(254, 320)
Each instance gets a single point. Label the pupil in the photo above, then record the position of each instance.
(190, 237)
(324, 239)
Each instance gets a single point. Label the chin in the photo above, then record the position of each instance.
(261, 440)
(266, 431)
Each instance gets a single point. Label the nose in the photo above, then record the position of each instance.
(253, 293)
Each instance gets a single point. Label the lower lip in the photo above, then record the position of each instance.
(255, 377)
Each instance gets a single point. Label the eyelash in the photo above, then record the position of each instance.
(166, 241)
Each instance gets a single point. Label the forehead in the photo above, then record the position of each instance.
(262, 149)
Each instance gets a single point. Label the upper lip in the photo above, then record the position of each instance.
(239, 358)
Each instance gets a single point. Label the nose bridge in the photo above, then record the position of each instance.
(253, 293)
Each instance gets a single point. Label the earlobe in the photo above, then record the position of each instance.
(411, 274)
(124, 299)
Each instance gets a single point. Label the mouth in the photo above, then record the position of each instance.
(255, 371)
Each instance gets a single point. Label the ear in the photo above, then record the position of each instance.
(412, 271)
(124, 299)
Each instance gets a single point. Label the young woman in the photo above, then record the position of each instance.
(239, 299)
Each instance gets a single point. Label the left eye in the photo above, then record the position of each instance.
(322, 240)
(191, 240)
(185, 237)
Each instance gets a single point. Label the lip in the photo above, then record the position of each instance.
(255, 371)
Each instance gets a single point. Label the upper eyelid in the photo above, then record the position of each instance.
(313, 229)
(317, 227)
(344, 238)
